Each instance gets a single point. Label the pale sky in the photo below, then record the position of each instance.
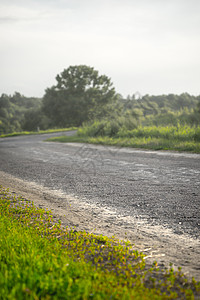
(146, 46)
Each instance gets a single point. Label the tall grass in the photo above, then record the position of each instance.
(179, 138)
(107, 127)
(180, 133)
(114, 129)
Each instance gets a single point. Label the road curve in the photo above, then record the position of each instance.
(158, 189)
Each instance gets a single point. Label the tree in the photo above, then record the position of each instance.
(79, 95)
(198, 106)
(13, 109)
(35, 119)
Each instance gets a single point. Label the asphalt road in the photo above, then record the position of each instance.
(160, 188)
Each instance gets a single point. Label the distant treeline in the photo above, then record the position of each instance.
(164, 110)
(19, 113)
(83, 96)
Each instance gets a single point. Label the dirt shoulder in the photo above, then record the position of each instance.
(157, 242)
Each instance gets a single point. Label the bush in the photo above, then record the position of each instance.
(110, 128)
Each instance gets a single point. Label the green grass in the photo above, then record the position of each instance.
(180, 138)
(37, 132)
(39, 259)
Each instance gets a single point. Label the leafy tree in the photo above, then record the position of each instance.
(198, 106)
(165, 109)
(12, 111)
(80, 94)
(35, 119)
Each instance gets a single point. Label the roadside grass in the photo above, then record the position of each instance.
(40, 259)
(37, 132)
(180, 138)
(139, 143)
(179, 132)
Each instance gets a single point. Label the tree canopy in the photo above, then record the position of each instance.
(80, 94)
(13, 109)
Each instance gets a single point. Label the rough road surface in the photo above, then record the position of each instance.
(150, 198)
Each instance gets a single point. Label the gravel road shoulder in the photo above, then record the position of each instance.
(156, 242)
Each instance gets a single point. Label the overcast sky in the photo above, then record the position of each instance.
(146, 46)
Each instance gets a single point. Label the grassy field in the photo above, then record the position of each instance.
(180, 138)
(39, 259)
(37, 132)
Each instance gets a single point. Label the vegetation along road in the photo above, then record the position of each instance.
(151, 198)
